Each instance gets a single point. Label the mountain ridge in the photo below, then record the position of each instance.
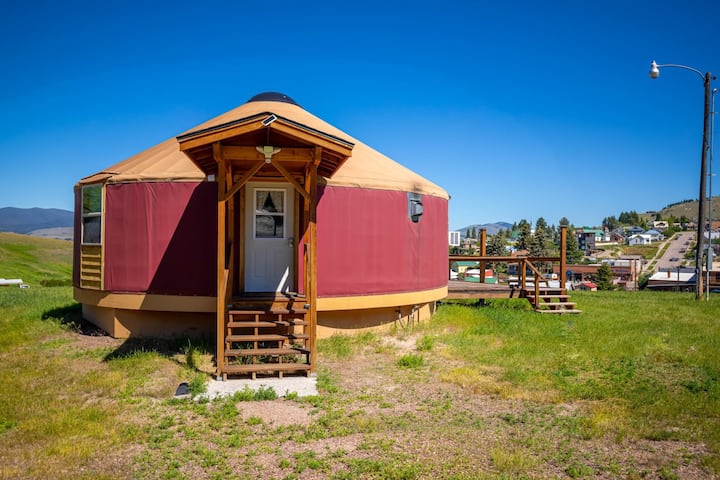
(490, 228)
(28, 220)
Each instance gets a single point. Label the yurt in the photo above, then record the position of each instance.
(266, 227)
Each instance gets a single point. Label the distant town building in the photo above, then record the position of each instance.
(660, 225)
(640, 239)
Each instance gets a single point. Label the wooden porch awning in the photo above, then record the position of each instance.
(243, 137)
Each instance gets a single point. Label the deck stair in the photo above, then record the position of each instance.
(266, 341)
(549, 299)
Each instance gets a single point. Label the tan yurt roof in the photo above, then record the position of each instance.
(365, 168)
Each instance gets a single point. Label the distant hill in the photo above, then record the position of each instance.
(491, 228)
(27, 220)
(687, 208)
(37, 261)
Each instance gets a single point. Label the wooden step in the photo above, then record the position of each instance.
(269, 311)
(251, 352)
(291, 322)
(285, 311)
(548, 300)
(250, 324)
(544, 291)
(266, 323)
(558, 311)
(266, 367)
(265, 337)
(555, 305)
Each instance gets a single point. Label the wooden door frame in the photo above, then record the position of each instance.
(230, 241)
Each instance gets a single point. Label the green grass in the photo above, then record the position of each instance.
(411, 360)
(492, 391)
(647, 251)
(37, 261)
(647, 364)
(342, 346)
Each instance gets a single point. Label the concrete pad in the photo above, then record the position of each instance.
(301, 385)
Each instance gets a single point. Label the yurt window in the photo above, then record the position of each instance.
(269, 213)
(415, 206)
(91, 214)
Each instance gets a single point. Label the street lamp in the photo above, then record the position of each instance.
(707, 78)
(711, 152)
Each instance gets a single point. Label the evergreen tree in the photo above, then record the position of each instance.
(564, 222)
(604, 277)
(611, 223)
(538, 242)
(631, 218)
(496, 245)
(474, 233)
(524, 235)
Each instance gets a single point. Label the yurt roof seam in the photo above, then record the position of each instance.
(239, 121)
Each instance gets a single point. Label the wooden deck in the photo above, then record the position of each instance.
(458, 289)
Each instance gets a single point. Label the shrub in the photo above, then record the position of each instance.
(197, 385)
(411, 360)
(426, 343)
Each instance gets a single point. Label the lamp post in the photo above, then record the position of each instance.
(711, 150)
(707, 79)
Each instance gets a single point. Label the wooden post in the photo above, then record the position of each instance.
(230, 232)
(483, 252)
(312, 267)
(240, 244)
(563, 256)
(220, 299)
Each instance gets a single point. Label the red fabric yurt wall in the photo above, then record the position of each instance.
(367, 244)
(160, 237)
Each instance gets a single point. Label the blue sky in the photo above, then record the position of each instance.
(518, 109)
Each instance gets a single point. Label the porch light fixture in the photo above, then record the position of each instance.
(707, 79)
(268, 151)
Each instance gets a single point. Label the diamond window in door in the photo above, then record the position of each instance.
(269, 213)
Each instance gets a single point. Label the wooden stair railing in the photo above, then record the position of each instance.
(266, 341)
(547, 299)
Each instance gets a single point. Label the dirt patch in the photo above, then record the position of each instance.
(465, 431)
(276, 413)
(95, 339)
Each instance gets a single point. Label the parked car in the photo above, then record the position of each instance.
(674, 259)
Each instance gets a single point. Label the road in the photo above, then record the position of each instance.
(682, 242)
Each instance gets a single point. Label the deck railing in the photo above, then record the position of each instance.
(525, 266)
(524, 263)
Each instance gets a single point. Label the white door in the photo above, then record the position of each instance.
(269, 237)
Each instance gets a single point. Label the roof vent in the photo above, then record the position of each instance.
(272, 97)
